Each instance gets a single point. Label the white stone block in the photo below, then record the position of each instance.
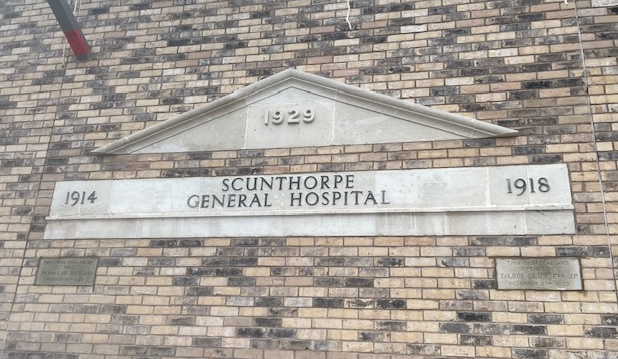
(457, 201)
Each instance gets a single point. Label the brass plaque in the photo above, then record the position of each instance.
(542, 273)
(66, 271)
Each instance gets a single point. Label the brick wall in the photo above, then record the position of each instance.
(515, 63)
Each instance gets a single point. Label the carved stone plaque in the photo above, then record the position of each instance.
(296, 109)
(66, 271)
(501, 200)
(543, 273)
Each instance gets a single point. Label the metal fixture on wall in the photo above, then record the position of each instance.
(70, 27)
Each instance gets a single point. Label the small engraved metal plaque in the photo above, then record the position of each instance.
(66, 271)
(543, 273)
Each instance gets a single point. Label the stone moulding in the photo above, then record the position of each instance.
(296, 109)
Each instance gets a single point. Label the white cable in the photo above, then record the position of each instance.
(596, 149)
(347, 17)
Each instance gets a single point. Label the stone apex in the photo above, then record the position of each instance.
(297, 109)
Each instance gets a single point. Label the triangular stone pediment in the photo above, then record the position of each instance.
(296, 109)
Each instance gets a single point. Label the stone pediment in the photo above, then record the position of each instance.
(296, 109)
